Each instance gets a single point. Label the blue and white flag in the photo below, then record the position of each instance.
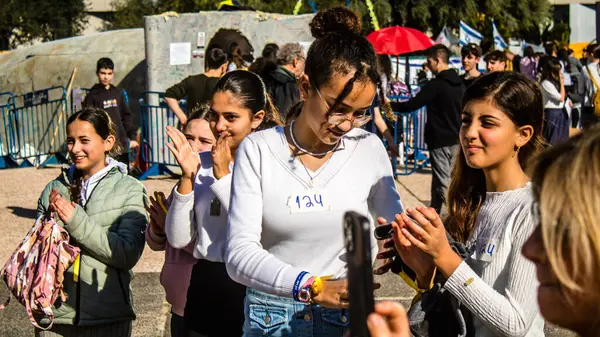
(499, 43)
(446, 38)
(469, 35)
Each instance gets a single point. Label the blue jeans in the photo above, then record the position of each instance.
(274, 316)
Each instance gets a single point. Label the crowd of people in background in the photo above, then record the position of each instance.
(273, 152)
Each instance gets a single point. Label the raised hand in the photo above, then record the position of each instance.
(185, 154)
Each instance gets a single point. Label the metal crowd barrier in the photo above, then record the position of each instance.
(409, 135)
(155, 116)
(6, 105)
(34, 125)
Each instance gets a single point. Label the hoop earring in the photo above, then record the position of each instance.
(517, 149)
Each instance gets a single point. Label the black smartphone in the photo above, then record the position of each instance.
(360, 272)
(384, 232)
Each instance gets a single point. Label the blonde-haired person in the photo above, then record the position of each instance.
(565, 246)
(490, 211)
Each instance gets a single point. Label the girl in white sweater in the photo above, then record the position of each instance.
(200, 202)
(291, 187)
(490, 203)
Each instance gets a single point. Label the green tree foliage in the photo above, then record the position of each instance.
(130, 13)
(23, 21)
(514, 18)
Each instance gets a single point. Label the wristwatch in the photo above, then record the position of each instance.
(305, 293)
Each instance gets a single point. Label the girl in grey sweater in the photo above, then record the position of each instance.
(490, 210)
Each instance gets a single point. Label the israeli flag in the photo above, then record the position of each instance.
(499, 43)
(469, 35)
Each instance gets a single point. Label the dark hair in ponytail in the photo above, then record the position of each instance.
(340, 49)
(215, 57)
(250, 90)
(104, 127)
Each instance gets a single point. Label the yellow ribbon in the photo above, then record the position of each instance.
(374, 20)
(297, 7)
(76, 268)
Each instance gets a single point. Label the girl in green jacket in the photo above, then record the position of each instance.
(102, 208)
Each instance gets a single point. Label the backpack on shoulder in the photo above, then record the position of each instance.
(596, 100)
(34, 273)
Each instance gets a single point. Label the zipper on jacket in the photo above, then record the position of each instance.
(78, 285)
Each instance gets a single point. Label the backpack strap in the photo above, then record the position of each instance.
(592, 77)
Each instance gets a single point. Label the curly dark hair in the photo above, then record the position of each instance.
(339, 50)
(335, 20)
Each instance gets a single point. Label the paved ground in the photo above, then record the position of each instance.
(20, 189)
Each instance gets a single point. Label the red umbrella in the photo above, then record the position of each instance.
(399, 40)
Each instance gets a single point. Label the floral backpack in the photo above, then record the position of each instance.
(34, 273)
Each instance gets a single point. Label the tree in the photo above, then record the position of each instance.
(22, 21)
(130, 13)
(515, 18)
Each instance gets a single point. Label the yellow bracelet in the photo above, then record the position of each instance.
(317, 286)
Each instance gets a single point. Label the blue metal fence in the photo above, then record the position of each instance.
(409, 135)
(35, 126)
(34, 133)
(6, 106)
(155, 117)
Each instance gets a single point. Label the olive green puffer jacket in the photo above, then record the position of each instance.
(109, 229)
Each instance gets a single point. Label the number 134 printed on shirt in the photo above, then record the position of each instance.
(308, 201)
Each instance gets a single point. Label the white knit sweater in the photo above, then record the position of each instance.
(269, 242)
(497, 284)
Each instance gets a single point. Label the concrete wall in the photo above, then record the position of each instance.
(582, 20)
(260, 28)
(50, 64)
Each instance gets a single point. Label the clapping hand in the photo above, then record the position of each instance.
(185, 154)
(158, 213)
(428, 234)
(63, 208)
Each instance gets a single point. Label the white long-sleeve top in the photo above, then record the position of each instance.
(269, 244)
(497, 284)
(189, 217)
(591, 69)
(551, 96)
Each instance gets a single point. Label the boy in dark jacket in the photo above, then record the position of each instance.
(443, 98)
(106, 96)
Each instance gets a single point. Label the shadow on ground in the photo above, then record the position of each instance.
(148, 298)
(23, 212)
